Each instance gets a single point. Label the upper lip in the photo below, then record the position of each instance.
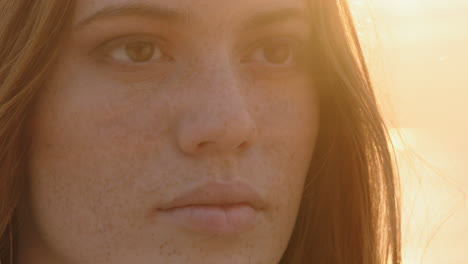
(218, 193)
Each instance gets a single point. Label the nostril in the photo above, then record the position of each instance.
(203, 144)
(243, 145)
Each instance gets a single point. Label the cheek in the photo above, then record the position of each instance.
(288, 137)
(288, 125)
(90, 152)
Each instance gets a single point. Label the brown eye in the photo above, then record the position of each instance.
(139, 51)
(276, 53)
(136, 52)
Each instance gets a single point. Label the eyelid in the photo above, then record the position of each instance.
(104, 48)
(298, 44)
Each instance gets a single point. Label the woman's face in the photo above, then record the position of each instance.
(154, 100)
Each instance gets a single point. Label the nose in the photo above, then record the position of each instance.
(218, 120)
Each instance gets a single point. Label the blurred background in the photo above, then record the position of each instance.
(417, 52)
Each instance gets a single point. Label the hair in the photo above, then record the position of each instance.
(350, 209)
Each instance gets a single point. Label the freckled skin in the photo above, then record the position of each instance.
(109, 147)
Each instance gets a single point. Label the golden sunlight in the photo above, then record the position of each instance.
(402, 6)
(418, 57)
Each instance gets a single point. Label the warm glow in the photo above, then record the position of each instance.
(402, 6)
(417, 51)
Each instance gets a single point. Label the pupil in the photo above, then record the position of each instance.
(275, 54)
(140, 51)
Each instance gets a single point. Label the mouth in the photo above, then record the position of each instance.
(215, 208)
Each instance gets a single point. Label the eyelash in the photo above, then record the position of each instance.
(107, 47)
(294, 45)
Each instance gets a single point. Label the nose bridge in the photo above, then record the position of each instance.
(218, 119)
(215, 80)
(212, 62)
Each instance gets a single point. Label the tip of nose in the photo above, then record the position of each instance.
(212, 135)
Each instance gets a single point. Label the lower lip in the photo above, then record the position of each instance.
(213, 219)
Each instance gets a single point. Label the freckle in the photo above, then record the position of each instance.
(163, 245)
(276, 208)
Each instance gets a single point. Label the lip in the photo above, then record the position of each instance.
(215, 208)
(218, 194)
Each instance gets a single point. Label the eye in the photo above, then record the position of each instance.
(134, 50)
(282, 52)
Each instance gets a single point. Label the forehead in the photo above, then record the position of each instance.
(197, 10)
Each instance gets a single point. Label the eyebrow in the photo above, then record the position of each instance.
(140, 10)
(258, 19)
(265, 18)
